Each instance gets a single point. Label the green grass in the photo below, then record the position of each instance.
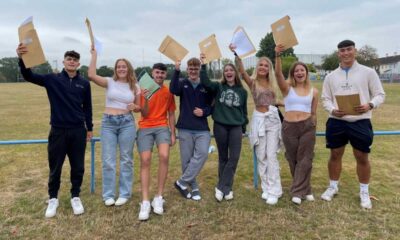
(24, 114)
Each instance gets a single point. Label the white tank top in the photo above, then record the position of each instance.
(294, 102)
(119, 95)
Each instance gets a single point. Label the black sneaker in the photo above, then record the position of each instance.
(184, 192)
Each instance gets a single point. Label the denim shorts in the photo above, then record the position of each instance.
(358, 133)
(147, 136)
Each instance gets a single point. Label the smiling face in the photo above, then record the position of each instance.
(262, 68)
(300, 74)
(159, 76)
(121, 69)
(229, 74)
(71, 64)
(193, 72)
(347, 56)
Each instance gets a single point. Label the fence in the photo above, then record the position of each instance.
(96, 139)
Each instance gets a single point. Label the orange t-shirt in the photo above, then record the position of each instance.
(160, 104)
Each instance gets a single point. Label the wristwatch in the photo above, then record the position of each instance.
(371, 106)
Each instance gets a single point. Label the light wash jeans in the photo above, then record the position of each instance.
(117, 130)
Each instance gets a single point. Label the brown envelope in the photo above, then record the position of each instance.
(347, 103)
(209, 47)
(172, 49)
(283, 33)
(28, 36)
(89, 26)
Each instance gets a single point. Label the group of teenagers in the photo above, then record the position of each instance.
(226, 101)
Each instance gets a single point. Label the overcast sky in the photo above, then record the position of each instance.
(134, 29)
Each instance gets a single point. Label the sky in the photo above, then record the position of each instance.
(135, 29)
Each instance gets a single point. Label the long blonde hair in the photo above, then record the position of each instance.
(131, 76)
(271, 79)
(292, 81)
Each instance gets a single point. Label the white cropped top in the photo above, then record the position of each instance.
(119, 95)
(294, 102)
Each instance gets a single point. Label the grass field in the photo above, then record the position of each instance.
(24, 114)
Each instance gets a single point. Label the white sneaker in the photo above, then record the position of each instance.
(145, 209)
(365, 200)
(310, 198)
(264, 195)
(109, 202)
(77, 206)
(329, 193)
(121, 201)
(157, 205)
(51, 208)
(229, 196)
(219, 195)
(272, 200)
(296, 200)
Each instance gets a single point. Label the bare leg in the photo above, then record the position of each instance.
(145, 162)
(163, 155)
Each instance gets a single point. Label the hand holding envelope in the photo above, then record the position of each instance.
(172, 49)
(209, 47)
(242, 43)
(283, 33)
(32, 52)
(95, 43)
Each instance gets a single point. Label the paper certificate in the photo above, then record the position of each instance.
(244, 46)
(146, 82)
(172, 49)
(28, 36)
(347, 103)
(283, 33)
(209, 47)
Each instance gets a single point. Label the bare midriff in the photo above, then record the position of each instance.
(296, 116)
(115, 111)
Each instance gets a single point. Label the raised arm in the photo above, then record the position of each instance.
(204, 79)
(283, 85)
(26, 72)
(240, 66)
(98, 80)
(174, 87)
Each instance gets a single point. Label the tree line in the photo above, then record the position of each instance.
(367, 55)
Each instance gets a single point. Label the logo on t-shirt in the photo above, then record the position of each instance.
(230, 98)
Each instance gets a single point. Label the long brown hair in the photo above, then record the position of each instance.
(292, 81)
(131, 76)
(237, 79)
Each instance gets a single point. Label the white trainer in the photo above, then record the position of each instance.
(310, 198)
(229, 196)
(365, 201)
(264, 195)
(121, 201)
(272, 200)
(329, 193)
(109, 202)
(296, 200)
(77, 206)
(158, 205)
(51, 208)
(145, 209)
(219, 195)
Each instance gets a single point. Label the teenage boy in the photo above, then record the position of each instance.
(194, 133)
(157, 125)
(350, 78)
(71, 124)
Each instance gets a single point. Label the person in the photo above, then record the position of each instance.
(157, 124)
(350, 78)
(299, 125)
(265, 127)
(194, 134)
(118, 127)
(230, 119)
(70, 100)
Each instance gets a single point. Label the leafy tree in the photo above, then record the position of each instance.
(286, 64)
(9, 69)
(330, 62)
(311, 67)
(367, 55)
(44, 68)
(139, 71)
(105, 71)
(267, 48)
(83, 71)
(250, 71)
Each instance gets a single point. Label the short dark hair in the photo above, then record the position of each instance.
(73, 54)
(346, 43)
(160, 66)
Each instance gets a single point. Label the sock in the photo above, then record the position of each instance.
(333, 183)
(146, 202)
(364, 187)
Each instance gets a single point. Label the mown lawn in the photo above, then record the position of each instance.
(24, 114)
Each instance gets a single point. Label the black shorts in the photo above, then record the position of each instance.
(359, 133)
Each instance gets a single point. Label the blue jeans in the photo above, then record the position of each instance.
(117, 130)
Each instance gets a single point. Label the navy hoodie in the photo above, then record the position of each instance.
(70, 98)
(190, 98)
